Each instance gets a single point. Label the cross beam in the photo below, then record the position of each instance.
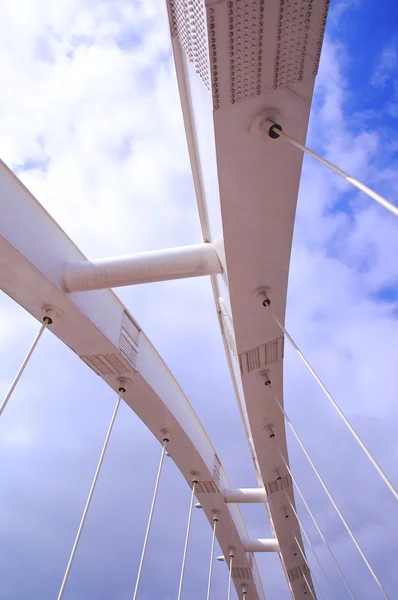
(159, 265)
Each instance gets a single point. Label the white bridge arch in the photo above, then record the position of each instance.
(240, 64)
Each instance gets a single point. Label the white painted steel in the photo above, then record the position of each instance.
(246, 188)
(160, 265)
(313, 551)
(318, 529)
(308, 565)
(231, 560)
(184, 556)
(148, 528)
(213, 539)
(336, 508)
(333, 402)
(245, 495)
(352, 180)
(89, 498)
(22, 367)
(91, 325)
(261, 545)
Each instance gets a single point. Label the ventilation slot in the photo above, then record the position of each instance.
(272, 487)
(297, 572)
(129, 339)
(286, 481)
(206, 487)
(130, 328)
(241, 573)
(216, 468)
(107, 364)
(262, 356)
(278, 484)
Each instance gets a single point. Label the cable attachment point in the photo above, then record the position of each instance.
(263, 297)
(270, 429)
(51, 313)
(216, 514)
(195, 478)
(123, 383)
(166, 435)
(265, 378)
(273, 131)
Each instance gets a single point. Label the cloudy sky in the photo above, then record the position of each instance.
(90, 121)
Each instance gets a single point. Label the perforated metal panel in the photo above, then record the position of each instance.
(188, 25)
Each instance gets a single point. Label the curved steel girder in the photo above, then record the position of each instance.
(246, 188)
(99, 329)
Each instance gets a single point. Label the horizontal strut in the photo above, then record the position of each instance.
(159, 265)
(261, 545)
(245, 495)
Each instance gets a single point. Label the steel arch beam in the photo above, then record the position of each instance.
(259, 67)
(97, 326)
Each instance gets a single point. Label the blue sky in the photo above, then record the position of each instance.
(92, 125)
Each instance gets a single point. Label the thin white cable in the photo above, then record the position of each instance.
(335, 405)
(278, 132)
(231, 559)
(330, 497)
(213, 539)
(90, 495)
(148, 528)
(310, 545)
(184, 557)
(46, 321)
(316, 524)
(308, 565)
(308, 585)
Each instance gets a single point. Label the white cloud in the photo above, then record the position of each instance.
(385, 68)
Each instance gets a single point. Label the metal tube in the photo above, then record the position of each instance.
(245, 495)
(261, 545)
(161, 265)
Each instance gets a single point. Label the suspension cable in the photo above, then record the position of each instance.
(308, 585)
(370, 456)
(155, 492)
(90, 495)
(231, 559)
(184, 556)
(310, 545)
(316, 524)
(275, 131)
(46, 321)
(302, 553)
(213, 539)
(331, 498)
(308, 565)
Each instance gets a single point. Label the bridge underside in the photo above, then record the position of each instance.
(238, 63)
